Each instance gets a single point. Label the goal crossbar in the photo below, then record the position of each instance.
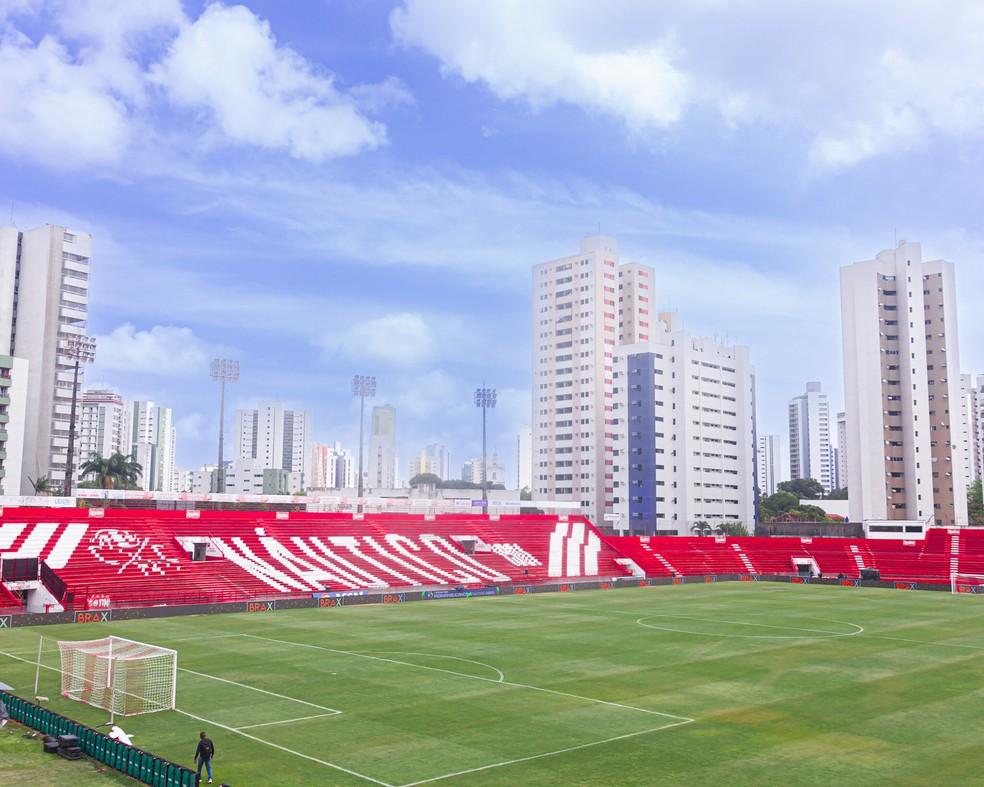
(120, 675)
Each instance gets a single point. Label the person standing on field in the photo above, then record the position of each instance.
(204, 754)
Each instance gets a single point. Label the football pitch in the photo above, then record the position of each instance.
(734, 683)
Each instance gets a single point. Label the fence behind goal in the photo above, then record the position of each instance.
(119, 675)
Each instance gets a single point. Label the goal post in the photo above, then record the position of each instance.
(967, 583)
(119, 675)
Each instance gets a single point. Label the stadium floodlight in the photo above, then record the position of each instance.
(79, 350)
(223, 371)
(363, 386)
(485, 399)
(119, 675)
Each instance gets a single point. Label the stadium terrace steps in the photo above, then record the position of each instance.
(929, 560)
(141, 557)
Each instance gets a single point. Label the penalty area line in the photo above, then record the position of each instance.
(284, 749)
(286, 721)
(554, 753)
(331, 711)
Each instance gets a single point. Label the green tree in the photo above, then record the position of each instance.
(838, 494)
(701, 528)
(113, 472)
(775, 505)
(732, 529)
(975, 504)
(525, 493)
(803, 488)
(425, 479)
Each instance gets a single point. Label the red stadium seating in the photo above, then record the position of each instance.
(143, 557)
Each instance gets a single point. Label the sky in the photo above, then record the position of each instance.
(325, 188)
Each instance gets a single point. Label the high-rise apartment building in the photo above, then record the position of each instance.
(381, 469)
(810, 452)
(103, 424)
(332, 467)
(433, 458)
(44, 301)
(683, 432)
(584, 305)
(524, 460)
(977, 429)
(13, 412)
(902, 389)
(495, 474)
(842, 473)
(967, 441)
(152, 442)
(769, 463)
(277, 438)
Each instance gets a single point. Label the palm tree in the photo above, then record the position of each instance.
(701, 528)
(114, 472)
(41, 485)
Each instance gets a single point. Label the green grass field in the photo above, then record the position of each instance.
(736, 683)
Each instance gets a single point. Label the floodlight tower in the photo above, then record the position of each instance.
(363, 386)
(80, 350)
(223, 371)
(485, 399)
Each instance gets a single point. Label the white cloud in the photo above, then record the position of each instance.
(402, 339)
(228, 64)
(94, 88)
(522, 50)
(844, 82)
(162, 350)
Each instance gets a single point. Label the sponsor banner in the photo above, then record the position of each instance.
(94, 616)
(605, 586)
(341, 594)
(100, 601)
(394, 598)
(642, 583)
(710, 579)
(851, 583)
(749, 578)
(798, 580)
(261, 606)
(678, 580)
(566, 588)
(436, 594)
(6, 622)
(522, 590)
(905, 585)
(324, 603)
(41, 501)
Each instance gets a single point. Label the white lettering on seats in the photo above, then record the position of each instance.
(350, 580)
(9, 531)
(371, 579)
(431, 576)
(404, 545)
(515, 554)
(574, 544)
(36, 540)
(124, 549)
(66, 544)
(555, 560)
(591, 550)
(316, 576)
(253, 565)
(351, 543)
(454, 555)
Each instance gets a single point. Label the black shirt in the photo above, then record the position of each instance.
(206, 749)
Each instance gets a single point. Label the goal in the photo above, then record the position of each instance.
(967, 583)
(119, 675)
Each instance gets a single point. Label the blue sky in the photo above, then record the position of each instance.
(322, 188)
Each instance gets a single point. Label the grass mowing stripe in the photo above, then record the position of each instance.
(554, 753)
(333, 711)
(273, 745)
(473, 677)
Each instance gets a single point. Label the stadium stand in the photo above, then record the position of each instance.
(136, 557)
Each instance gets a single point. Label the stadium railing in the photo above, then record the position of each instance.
(136, 763)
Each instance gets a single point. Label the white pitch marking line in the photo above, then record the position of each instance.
(547, 754)
(440, 656)
(332, 711)
(860, 629)
(285, 749)
(472, 677)
(244, 734)
(287, 721)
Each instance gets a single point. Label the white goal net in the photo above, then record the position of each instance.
(119, 675)
(967, 583)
